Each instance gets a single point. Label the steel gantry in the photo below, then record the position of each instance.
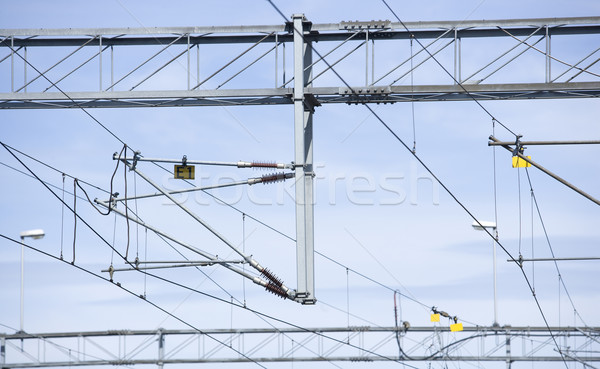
(126, 67)
(268, 345)
(349, 62)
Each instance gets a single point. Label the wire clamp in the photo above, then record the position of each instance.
(518, 146)
(184, 160)
(136, 157)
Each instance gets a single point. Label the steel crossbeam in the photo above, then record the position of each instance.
(356, 344)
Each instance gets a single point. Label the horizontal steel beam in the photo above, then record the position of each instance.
(34, 39)
(534, 143)
(357, 359)
(324, 95)
(566, 24)
(423, 329)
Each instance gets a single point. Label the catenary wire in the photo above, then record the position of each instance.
(446, 70)
(263, 316)
(439, 181)
(66, 95)
(532, 290)
(77, 216)
(155, 305)
(343, 266)
(204, 294)
(535, 202)
(96, 120)
(65, 349)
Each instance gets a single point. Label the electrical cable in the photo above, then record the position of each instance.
(438, 180)
(155, 305)
(201, 293)
(109, 245)
(74, 216)
(65, 349)
(65, 94)
(551, 249)
(50, 167)
(145, 274)
(520, 218)
(258, 221)
(178, 283)
(166, 280)
(498, 242)
(412, 97)
(87, 114)
(361, 275)
(123, 141)
(446, 71)
(62, 217)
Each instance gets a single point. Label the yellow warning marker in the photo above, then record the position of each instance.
(435, 317)
(456, 327)
(517, 162)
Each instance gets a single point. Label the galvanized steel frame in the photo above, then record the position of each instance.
(356, 344)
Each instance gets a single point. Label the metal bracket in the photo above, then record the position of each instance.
(310, 101)
(373, 24)
(518, 146)
(136, 157)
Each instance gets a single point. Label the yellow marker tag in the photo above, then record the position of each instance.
(456, 327)
(517, 162)
(184, 171)
(435, 317)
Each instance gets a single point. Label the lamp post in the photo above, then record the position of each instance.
(491, 226)
(35, 234)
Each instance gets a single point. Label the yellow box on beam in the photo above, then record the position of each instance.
(456, 327)
(184, 171)
(435, 317)
(517, 162)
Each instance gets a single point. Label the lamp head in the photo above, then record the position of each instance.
(34, 233)
(484, 224)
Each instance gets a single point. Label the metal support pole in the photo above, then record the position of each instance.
(367, 58)
(161, 349)
(508, 360)
(372, 60)
(459, 61)
(12, 63)
(548, 56)
(574, 188)
(2, 352)
(22, 284)
(303, 157)
(188, 61)
(495, 285)
(455, 56)
(100, 62)
(25, 69)
(112, 67)
(276, 56)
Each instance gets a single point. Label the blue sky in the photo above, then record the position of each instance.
(377, 210)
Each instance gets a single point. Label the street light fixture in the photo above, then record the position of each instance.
(480, 226)
(36, 234)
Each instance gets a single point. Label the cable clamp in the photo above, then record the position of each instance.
(518, 146)
(136, 156)
(184, 160)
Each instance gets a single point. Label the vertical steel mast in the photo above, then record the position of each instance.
(303, 159)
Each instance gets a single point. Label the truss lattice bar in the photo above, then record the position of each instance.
(276, 96)
(366, 344)
(510, 42)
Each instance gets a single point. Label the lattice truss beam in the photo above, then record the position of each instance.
(253, 65)
(419, 344)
